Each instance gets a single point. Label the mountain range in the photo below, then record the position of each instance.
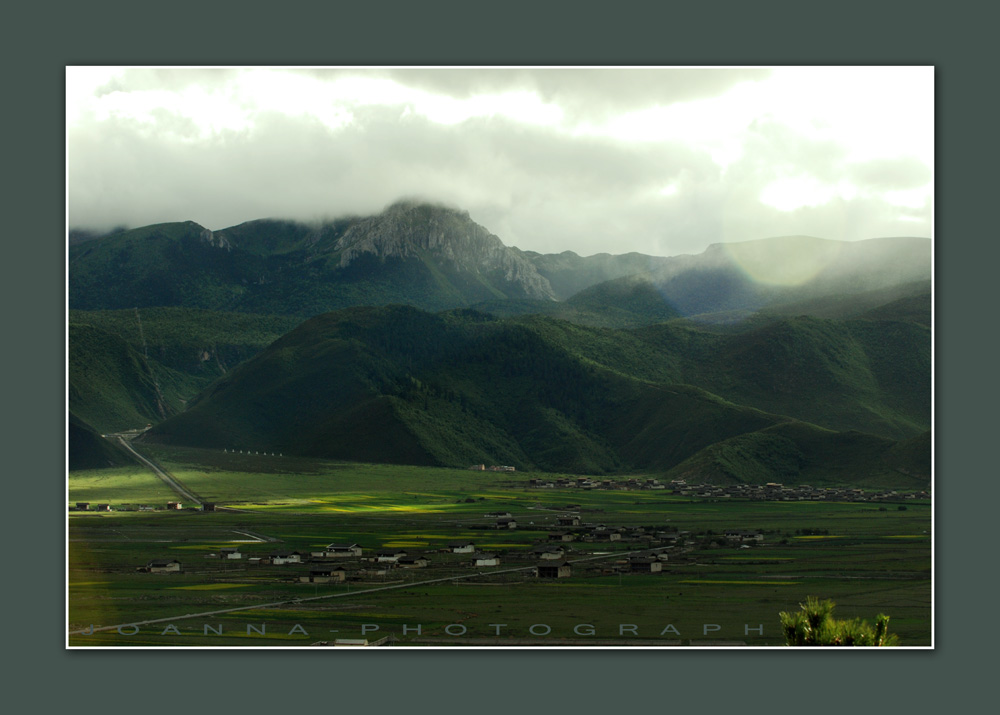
(415, 336)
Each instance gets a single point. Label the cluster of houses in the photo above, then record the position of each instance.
(771, 491)
(87, 506)
(337, 562)
(493, 468)
(588, 483)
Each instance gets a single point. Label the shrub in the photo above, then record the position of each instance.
(814, 625)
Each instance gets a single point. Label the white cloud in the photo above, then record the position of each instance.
(559, 159)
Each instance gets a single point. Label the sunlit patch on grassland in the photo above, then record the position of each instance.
(745, 583)
(399, 508)
(814, 537)
(756, 558)
(212, 546)
(208, 587)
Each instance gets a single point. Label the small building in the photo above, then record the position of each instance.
(549, 552)
(743, 535)
(286, 557)
(553, 569)
(230, 552)
(561, 536)
(163, 566)
(568, 520)
(645, 564)
(336, 551)
(607, 536)
(486, 560)
(413, 562)
(174, 505)
(506, 523)
(102, 507)
(83, 506)
(208, 506)
(389, 556)
(462, 547)
(325, 574)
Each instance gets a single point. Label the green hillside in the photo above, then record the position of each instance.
(88, 450)
(131, 367)
(396, 384)
(111, 386)
(800, 453)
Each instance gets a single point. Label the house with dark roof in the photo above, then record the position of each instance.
(325, 574)
(553, 569)
(561, 536)
(549, 551)
(645, 564)
(337, 551)
(413, 562)
(485, 560)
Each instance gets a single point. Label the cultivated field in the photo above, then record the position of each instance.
(868, 557)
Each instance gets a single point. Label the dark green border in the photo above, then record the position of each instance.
(43, 40)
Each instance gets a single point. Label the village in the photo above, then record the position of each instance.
(770, 491)
(558, 546)
(555, 548)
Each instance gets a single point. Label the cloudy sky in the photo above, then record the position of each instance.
(656, 160)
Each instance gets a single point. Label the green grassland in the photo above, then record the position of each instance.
(867, 557)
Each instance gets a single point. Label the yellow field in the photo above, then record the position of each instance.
(208, 587)
(745, 583)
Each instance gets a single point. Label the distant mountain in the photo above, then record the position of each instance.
(751, 275)
(730, 283)
(396, 384)
(568, 273)
(800, 453)
(627, 302)
(436, 258)
(420, 254)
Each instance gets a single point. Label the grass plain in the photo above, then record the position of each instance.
(867, 557)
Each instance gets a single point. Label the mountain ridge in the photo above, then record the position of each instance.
(435, 257)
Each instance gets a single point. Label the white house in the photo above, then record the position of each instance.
(286, 557)
(163, 566)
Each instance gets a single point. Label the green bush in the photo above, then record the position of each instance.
(814, 625)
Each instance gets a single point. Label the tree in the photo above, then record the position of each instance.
(814, 625)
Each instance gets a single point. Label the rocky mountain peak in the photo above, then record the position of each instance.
(413, 229)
